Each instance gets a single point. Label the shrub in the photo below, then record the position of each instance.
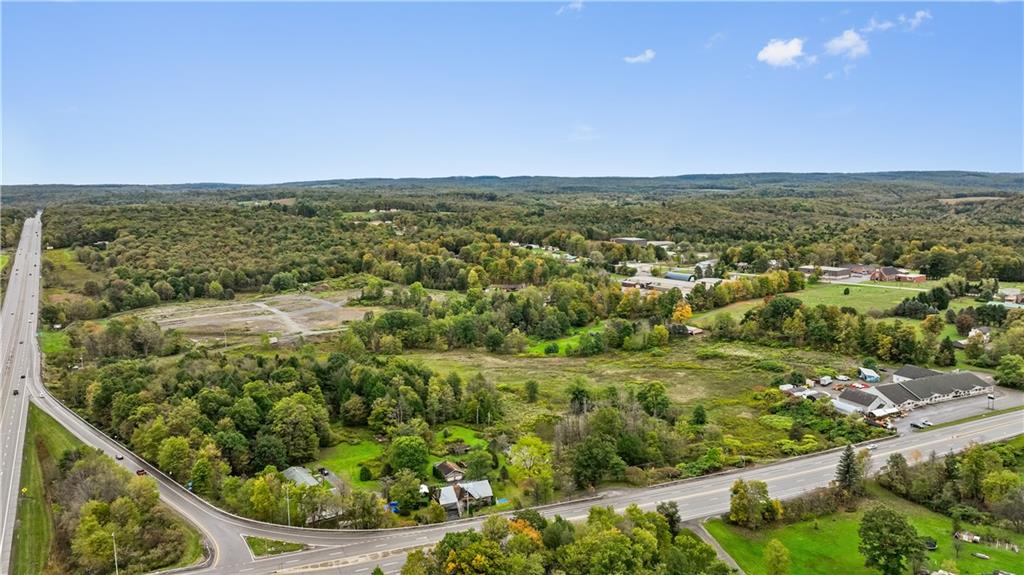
(365, 474)
(773, 365)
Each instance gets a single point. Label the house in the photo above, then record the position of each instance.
(862, 269)
(912, 278)
(630, 241)
(459, 497)
(707, 267)
(860, 400)
(885, 274)
(909, 372)
(934, 389)
(448, 471)
(868, 375)
(300, 476)
(982, 332)
(683, 276)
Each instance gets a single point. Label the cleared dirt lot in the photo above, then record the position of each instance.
(284, 315)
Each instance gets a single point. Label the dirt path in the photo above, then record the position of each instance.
(293, 326)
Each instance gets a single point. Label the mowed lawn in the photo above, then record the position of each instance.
(833, 540)
(344, 458)
(45, 442)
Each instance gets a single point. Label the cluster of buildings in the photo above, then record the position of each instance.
(910, 387)
(458, 496)
(873, 272)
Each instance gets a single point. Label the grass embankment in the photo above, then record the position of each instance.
(833, 541)
(261, 547)
(45, 442)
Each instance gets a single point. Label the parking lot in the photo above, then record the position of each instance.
(962, 408)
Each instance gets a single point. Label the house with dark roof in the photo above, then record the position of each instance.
(448, 471)
(853, 400)
(885, 274)
(934, 389)
(908, 372)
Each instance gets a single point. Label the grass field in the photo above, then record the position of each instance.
(261, 547)
(71, 273)
(572, 340)
(833, 541)
(45, 441)
(4, 258)
(54, 341)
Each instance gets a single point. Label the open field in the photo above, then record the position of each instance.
(54, 341)
(344, 459)
(4, 258)
(72, 274)
(284, 315)
(808, 553)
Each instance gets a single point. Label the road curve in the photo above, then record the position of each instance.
(361, 550)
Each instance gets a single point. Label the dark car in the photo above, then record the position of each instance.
(916, 425)
(16, 392)
(119, 457)
(23, 376)
(140, 472)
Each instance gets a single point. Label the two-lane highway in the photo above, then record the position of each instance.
(360, 550)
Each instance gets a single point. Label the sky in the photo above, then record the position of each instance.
(270, 92)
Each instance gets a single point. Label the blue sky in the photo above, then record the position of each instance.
(258, 93)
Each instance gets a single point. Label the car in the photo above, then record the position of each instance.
(140, 472)
(120, 457)
(872, 446)
(916, 425)
(23, 376)
(926, 423)
(16, 392)
(21, 342)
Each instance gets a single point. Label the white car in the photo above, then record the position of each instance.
(843, 378)
(872, 446)
(926, 423)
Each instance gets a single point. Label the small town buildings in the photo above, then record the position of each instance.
(661, 243)
(856, 400)
(461, 496)
(707, 267)
(448, 471)
(933, 389)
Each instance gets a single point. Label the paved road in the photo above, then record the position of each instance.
(362, 550)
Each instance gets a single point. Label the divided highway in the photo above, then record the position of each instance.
(360, 551)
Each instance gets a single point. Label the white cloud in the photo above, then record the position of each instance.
(849, 44)
(714, 39)
(781, 53)
(574, 6)
(583, 133)
(830, 75)
(916, 20)
(641, 58)
(877, 26)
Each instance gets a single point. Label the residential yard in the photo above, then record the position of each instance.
(808, 550)
(344, 458)
(261, 547)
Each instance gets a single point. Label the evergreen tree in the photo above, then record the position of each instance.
(848, 472)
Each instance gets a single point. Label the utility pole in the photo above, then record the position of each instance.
(117, 571)
(288, 505)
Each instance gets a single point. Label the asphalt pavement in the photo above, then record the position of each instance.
(344, 552)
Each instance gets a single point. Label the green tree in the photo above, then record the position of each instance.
(478, 464)
(1011, 371)
(593, 459)
(302, 425)
(408, 452)
(888, 541)
(998, 485)
(750, 505)
(175, 458)
(406, 491)
(848, 475)
(532, 389)
(776, 558)
(699, 417)
(946, 355)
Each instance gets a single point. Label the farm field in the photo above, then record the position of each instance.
(808, 554)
